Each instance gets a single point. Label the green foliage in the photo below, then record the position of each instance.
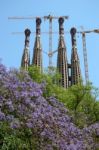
(82, 104)
(17, 139)
(11, 142)
(41, 125)
(79, 99)
(96, 110)
(35, 74)
(50, 77)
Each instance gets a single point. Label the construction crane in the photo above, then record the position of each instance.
(24, 18)
(50, 18)
(47, 53)
(50, 53)
(85, 51)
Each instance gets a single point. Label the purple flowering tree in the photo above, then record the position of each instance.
(44, 123)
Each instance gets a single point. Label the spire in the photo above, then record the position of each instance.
(62, 58)
(25, 62)
(37, 51)
(75, 64)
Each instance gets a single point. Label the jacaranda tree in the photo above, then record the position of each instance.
(31, 122)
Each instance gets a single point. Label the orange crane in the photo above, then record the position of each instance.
(85, 51)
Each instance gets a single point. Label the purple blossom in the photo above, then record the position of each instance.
(9, 118)
(24, 107)
(29, 125)
(2, 116)
(15, 124)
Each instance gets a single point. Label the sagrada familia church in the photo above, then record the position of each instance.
(70, 73)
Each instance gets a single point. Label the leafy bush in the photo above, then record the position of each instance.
(79, 99)
(29, 121)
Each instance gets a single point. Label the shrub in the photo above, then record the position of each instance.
(29, 121)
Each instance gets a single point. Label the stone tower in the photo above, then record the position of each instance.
(37, 51)
(62, 64)
(75, 64)
(25, 62)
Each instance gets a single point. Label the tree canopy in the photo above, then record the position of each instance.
(35, 113)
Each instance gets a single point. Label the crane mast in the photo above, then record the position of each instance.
(50, 38)
(51, 52)
(85, 57)
(50, 41)
(50, 18)
(83, 33)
